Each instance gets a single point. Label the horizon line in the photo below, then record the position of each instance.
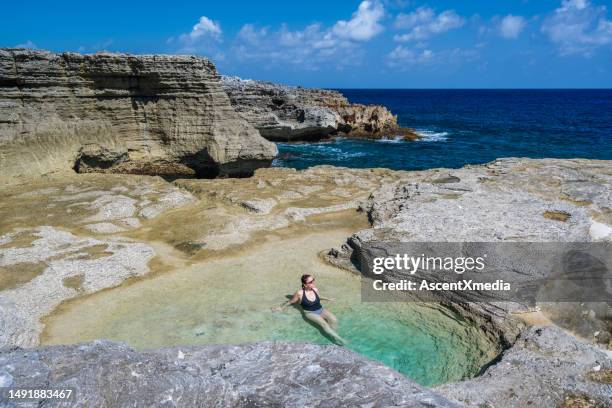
(468, 89)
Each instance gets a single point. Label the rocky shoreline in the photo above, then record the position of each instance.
(250, 375)
(158, 115)
(437, 205)
(282, 198)
(286, 113)
(65, 235)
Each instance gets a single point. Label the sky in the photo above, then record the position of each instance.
(342, 43)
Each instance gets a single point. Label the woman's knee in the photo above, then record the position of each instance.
(315, 319)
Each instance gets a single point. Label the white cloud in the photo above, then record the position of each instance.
(578, 27)
(307, 47)
(511, 26)
(314, 44)
(424, 23)
(250, 34)
(204, 38)
(404, 56)
(204, 28)
(364, 24)
(27, 44)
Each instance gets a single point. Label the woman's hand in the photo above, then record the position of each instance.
(295, 298)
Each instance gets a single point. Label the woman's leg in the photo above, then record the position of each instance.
(330, 318)
(319, 321)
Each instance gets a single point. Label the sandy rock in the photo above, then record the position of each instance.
(104, 228)
(131, 222)
(66, 257)
(112, 207)
(262, 206)
(172, 199)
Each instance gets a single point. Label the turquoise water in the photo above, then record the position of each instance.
(224, 302)
(431, 345)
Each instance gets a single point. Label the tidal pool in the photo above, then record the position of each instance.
(229, 300)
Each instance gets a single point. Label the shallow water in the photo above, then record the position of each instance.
(228, 300)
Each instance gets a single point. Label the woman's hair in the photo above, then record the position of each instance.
(304, 278)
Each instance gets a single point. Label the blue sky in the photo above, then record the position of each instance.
(344, 44)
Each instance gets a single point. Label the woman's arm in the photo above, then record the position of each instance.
(295, 298)
(322, 297)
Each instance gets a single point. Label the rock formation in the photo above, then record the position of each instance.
(148, 114)
(269, 374)
(285, 113)
(546, 368)
(64, 234)
(509, 200)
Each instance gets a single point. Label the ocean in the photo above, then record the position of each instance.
(460, 127)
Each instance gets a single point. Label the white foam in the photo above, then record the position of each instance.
(394, 139)
(431, 136)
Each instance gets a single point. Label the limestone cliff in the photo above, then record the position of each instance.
(285, 113)
(119, 113)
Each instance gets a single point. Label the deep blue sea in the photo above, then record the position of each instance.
(470, 127)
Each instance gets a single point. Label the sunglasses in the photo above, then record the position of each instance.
(309, 282)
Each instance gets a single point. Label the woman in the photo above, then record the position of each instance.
(309, 299)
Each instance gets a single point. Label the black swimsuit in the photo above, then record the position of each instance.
(311, 306)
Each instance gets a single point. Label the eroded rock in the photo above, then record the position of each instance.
(285, 113)
(543, 368)
(548, 200)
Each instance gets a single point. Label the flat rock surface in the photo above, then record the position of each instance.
(59, 240)
(70, 236)
(270, 374)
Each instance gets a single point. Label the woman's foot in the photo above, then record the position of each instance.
(340, 341)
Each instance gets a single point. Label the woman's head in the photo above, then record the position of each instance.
(307, 280)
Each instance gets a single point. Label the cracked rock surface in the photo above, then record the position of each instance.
(107, 374)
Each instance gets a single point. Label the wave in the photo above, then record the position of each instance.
(395, 139)
(432, 136)
(350, 155)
